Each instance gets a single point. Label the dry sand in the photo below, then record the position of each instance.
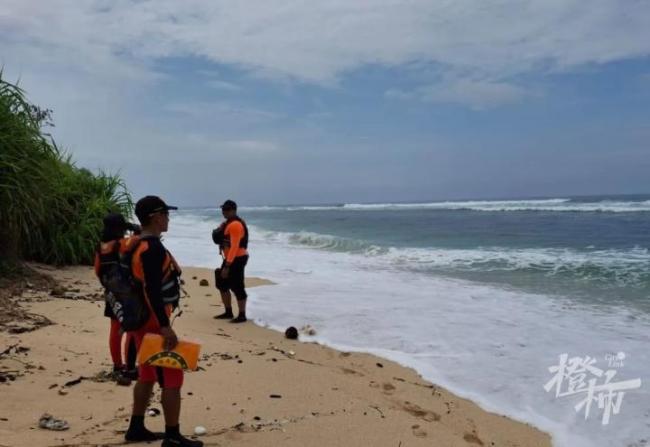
(327, 397)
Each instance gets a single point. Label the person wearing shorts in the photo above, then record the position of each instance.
(107, 252)
(152, 267)
(230, 276)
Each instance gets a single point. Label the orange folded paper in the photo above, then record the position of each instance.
(184, 356)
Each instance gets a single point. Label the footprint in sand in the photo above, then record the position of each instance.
(419, 412)
(418, 432)
(472, 438)
(388, 388)
(351, 372)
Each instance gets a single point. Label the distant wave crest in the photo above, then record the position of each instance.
(614, 267)
(552, 205)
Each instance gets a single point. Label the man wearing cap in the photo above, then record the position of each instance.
(233, 243)
(153, 266)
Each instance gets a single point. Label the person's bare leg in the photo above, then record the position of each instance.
(141, 396)
(241, 317)
(137, 432)
(226, 298)
(171, 403)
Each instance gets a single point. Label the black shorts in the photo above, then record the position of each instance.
(235, 279)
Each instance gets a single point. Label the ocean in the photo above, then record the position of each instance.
(481, 297)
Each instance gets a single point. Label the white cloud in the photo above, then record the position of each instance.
(223, 85)
(254, 146)
(475, 94)
(219, 111)
(200, 142)
(320, 41)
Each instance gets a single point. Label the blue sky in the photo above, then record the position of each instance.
(299, 102)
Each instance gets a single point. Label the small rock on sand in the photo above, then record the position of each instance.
(49, 422)
(204, 283)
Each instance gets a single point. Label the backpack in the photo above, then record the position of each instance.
(124, 294)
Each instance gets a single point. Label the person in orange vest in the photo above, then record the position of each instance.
(232, 238)
(158, 277)
(107, 253)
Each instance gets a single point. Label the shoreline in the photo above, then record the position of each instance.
(329, 397)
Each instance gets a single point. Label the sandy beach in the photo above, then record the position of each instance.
(254, 387)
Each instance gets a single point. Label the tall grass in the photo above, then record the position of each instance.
(50, 210)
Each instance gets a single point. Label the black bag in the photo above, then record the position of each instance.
(124, 294)
(218, 235)
(217, 277)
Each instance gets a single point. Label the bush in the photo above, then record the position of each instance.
(50, 210)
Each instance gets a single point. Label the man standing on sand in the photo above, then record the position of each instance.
(156, 271)
(106, 258)
(232, 237)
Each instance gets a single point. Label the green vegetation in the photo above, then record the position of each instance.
(50, 210)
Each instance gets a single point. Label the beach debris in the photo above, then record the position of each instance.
(153, 412)
(8, 376)
(194, 277)
(275, 396)
(74, 382)
(58, 291)
(291, 333)
(379, 365)
(381, 413)
(103, 376)
(289, 354)
(22, 321)
(49, 422)
(204, 283)
(199, 430)
(15, 349)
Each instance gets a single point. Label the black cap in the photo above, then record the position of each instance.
(149, 205)
(229, 205)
